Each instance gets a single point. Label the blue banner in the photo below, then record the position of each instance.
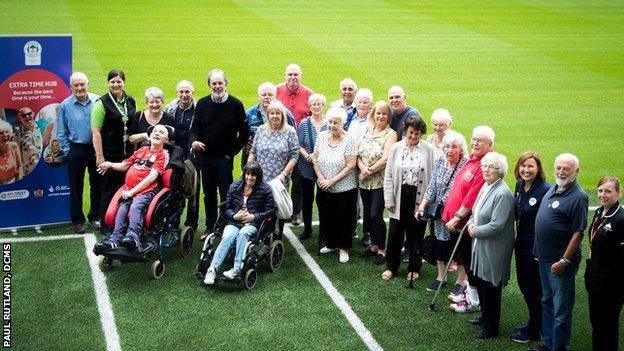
(34, 186)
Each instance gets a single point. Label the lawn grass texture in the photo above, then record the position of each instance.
(547, 76)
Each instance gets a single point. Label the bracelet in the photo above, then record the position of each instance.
(419, 211)
(459, 216)
(564, 261)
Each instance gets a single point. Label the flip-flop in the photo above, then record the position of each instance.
(415, 275)
(386, 275)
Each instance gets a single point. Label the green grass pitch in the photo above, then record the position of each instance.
(548, 76)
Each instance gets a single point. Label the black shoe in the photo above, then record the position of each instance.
(476, 320)
(483, 335)
(405, 256)
(304, 236)
(379, 260)
(366, 239)
(128, 243)
(458, 288)
(79, 228)
(368, 253)
(539, 347)
(434, 285)
(524, 336)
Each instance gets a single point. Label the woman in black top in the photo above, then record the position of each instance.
(153, 115)
(605, 266)
(530, 188)
(109, 121)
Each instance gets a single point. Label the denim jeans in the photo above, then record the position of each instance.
(557, 304)
(130, 217)
(233, 234)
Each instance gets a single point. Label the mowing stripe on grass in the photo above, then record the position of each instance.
(333, 293)
(101, 294)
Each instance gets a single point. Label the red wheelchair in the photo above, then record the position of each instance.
(161, 228)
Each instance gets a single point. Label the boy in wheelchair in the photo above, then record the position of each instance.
(249, 201)
(143, 169)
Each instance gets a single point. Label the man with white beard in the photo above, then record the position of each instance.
(559, 225)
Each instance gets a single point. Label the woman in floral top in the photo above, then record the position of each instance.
(444, 171)
(372, 157)
(276, 147)
(407, 174)
(334, 159)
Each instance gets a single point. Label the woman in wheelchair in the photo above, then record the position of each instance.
(249, 201)
(143, 169)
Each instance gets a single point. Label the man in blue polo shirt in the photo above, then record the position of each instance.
(73, 132)
(400, 110)
(559, 225)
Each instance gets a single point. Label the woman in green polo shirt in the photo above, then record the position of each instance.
(109, 121)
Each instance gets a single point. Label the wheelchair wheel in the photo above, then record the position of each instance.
(276, 256)
(158, 269)
(105, 263)
(251, 277)
(186, 241)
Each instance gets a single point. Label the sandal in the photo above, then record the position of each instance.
(413, 276)
(386, 275)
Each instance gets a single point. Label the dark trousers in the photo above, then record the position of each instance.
(111, 182)
(527, 269)
(335, 211)
(605, 305)
(490, 300)
(216, 173)
(192, 214)
(295, 190)
(81, 157)
(373, 207)
(407, 230)
(307, 201)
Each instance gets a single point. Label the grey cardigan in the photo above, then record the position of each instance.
(493, 234)
(392, 175)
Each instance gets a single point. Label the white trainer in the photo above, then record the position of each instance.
(211, 274)
(326, 249)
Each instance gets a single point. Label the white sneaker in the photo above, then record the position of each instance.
(464, 306)
(326, 249)
(232, 273)
(344, 257)
(456, 298)
(210, 276)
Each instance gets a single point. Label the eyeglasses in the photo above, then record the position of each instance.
(26, 114)
(490, 167)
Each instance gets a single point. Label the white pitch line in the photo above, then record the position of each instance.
(42, 238)
(333, 293)
(103, 300)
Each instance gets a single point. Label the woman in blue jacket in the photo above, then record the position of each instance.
(249, 201)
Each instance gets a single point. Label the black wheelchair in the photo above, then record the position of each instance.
(265, 245)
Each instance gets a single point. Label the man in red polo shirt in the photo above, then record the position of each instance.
(457, 210)
(294, 96)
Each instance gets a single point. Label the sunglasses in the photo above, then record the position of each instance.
(26, 114)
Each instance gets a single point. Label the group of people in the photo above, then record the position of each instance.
(360, 156)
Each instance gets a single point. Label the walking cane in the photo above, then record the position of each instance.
(461, 234)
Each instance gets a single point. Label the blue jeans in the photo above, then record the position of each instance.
(231, 234)
(557, 304)
(129, 218)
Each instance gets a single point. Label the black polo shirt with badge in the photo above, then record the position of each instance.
(559, 216)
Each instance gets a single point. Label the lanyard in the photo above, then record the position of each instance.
(121, 111)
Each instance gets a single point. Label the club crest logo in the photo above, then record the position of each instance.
(32, 53)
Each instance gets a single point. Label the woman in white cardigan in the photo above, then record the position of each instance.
(492, 229)
(407, 174)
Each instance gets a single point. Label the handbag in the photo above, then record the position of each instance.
(433, 212)
(282, 199)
